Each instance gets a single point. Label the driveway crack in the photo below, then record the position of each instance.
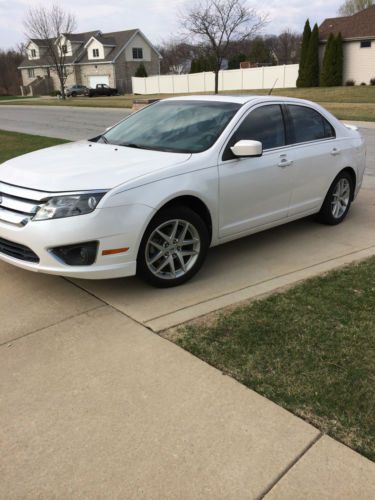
(290, 466)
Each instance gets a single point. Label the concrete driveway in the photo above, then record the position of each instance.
(95, 405)
(246, 268)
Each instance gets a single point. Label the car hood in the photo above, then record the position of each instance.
(84, 165)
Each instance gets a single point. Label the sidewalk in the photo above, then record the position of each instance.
(97, 406)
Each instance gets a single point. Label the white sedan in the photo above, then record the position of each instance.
(154, 192)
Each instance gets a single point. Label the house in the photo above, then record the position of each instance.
(90, 58)
(358, 32)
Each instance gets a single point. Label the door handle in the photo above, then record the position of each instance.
(285, 163)
(335, 151)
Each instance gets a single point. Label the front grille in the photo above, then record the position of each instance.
(17, 251)
(18, 205)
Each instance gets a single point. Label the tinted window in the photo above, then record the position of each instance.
(264, 124)
(308, 125)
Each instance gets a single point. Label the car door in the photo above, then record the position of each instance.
(316, 156)
(255, 191)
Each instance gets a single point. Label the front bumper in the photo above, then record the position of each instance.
(116, 227)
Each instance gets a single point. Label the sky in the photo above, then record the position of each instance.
(158, 19)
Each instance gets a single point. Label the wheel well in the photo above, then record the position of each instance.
(194, 204)
(353, 175)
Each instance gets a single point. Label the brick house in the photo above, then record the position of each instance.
(358, 32)
(90, 58)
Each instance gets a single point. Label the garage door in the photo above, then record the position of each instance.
(94, 80)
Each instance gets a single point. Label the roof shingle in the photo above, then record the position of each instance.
(359, 25)
(116, 39)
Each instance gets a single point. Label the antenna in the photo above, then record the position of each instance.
(273, 86)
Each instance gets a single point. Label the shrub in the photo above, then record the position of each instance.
(312, 59)
(326, 76)
(363, 83)
(141, 71)
(55, 93)
(372, 81)
(339, 61)
(350, 83)
(301, 81)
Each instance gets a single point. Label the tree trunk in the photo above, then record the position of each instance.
(216, 81)
(62, 89)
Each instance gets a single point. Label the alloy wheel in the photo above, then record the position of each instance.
(340, 198)
(172, 249)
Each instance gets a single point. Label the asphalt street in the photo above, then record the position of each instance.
(72, 123)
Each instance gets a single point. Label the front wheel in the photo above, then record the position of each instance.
(173, 247)
(338, 200)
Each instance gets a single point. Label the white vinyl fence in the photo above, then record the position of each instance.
(234, 79)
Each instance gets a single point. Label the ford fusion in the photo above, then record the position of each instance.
(154, 192)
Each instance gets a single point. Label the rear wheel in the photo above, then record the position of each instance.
(173, 247)
(338, 200)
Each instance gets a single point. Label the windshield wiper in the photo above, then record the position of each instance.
(151, 148)
(132, 145)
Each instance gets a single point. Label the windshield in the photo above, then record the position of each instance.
(175, 126)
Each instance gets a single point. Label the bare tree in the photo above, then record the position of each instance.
(50, 24)
(217, 23)
(350, 7)
(176, 57)
(287, 47)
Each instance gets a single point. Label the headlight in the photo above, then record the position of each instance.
(68, 206)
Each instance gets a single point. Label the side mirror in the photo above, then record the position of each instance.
(247, 148)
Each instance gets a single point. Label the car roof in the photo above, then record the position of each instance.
(240, 98)
(236, 98)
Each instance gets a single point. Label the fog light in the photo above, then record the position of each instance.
(80, 254)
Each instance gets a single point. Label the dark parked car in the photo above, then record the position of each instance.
(74, 90)
(101, 89)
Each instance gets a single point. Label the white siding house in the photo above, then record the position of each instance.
(358, 33)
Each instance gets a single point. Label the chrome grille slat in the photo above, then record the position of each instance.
(18, 205)
(19, 192)
(16, 218)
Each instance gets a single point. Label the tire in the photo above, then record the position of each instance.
(74, 94)
(338, 200)
(162, 262)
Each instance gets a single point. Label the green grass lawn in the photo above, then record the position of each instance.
(347, 103)
(310, 349)
(15, 144)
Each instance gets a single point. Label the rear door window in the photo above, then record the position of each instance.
(308, 125)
